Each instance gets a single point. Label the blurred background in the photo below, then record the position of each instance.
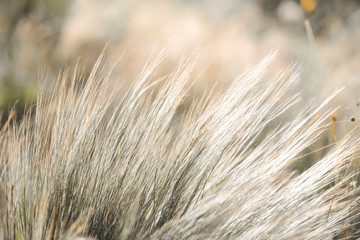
(229, 35)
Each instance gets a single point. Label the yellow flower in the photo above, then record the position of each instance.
(308, 5)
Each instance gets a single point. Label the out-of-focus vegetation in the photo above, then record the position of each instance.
(40, 36)
(49, 34)
(29, 30)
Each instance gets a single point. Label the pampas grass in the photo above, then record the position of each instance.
(89, 165)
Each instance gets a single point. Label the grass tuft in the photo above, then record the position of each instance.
(91, 165)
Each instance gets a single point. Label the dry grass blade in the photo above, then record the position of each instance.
(92, 166)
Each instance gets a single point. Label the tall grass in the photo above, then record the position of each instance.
(91, 165)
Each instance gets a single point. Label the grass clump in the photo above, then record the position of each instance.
(91, 165)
